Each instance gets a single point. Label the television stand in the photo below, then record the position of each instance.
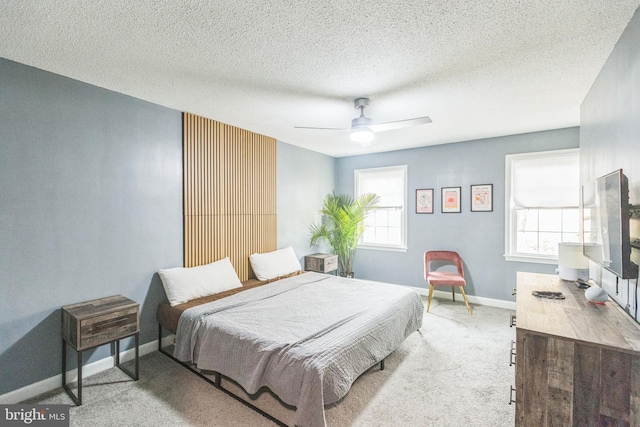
(578, 364)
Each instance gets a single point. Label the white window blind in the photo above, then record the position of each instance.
(546, 180)
(386, 183)
(541, 203)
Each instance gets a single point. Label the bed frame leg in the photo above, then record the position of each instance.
(382, 365)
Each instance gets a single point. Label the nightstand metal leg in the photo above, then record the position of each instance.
(137, 356)
(79, 378)
(77, 399)
(136, 360)
(64, 362)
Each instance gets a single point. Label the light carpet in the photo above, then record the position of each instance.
(453, 372)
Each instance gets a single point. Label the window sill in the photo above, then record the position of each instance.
(383, 248)
(531, 259)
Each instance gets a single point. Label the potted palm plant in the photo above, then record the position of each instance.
(342, 225)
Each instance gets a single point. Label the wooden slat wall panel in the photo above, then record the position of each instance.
(229, 193)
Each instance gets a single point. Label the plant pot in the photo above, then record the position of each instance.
(347, 275)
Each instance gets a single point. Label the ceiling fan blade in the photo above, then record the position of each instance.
(382, 127)
(308, 127)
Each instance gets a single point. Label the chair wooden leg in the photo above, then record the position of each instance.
(430, 296)
(464, 296)
(453, 293)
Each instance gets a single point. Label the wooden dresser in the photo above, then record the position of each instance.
(577, 363)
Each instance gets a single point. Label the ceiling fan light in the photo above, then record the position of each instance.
(363, 135)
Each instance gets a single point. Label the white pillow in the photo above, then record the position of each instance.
(184, 284)
(274, 264)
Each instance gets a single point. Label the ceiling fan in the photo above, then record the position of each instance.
(363, 128)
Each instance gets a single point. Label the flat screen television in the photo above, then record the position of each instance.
(605, 214)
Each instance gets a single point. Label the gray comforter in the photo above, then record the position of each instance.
(307, 337)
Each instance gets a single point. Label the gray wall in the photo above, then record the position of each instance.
(90, 206)
(610, 135)
(477, 236)
(304, 179)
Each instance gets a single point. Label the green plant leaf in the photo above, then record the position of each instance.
(343, 224)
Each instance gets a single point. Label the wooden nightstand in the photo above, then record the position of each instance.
(322, 263)
(93, 323)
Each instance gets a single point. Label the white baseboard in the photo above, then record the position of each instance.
(509, 305)
(52, 383)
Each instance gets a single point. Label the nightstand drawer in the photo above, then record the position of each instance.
(100, 321)
(102, 329)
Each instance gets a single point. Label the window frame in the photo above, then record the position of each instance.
(510, 243)
(402, 246)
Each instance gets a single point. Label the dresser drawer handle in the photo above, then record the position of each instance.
(512, 356)
(513, 321)
(512, 393)
(109, 323)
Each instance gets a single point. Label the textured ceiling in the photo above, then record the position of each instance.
(478, 68)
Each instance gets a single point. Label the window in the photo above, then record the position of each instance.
(541, 204)
(385, 227)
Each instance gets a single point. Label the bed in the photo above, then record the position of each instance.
(306, 337)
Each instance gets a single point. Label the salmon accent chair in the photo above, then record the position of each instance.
(445, 278)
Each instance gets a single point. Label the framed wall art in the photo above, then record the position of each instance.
(424, 201)
(482, 198)
(451, 200)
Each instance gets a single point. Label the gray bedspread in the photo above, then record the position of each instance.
(307, 337)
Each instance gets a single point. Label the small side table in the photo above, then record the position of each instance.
(94, 323)
(321, 263)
